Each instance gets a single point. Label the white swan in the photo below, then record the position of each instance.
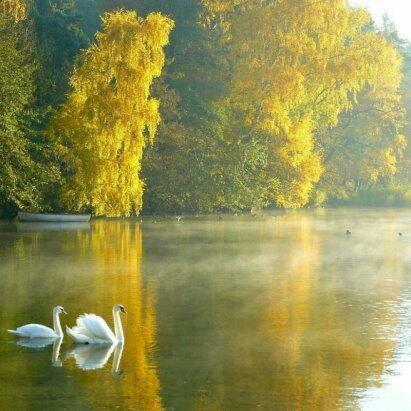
(41, 331)
(92, 329)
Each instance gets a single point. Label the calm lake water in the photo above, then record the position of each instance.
(279, 312)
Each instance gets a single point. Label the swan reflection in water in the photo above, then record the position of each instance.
(87, 357)
(95, 356)
(40, 343)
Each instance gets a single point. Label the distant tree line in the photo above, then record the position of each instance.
(118, 107)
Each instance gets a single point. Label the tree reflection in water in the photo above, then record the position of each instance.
(285, 313)
(288, 312)
(89, 271)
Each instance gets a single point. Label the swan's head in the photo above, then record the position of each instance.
(59, 310)
(119, 308)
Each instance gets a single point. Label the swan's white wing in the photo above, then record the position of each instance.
(94, 325)
(80, 329)
(78, 337)
(34, 331)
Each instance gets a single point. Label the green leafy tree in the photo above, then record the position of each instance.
(59, 34)
(23, 157)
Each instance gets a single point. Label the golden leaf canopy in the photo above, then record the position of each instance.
(109, 115)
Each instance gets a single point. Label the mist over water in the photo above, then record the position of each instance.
(279, 311)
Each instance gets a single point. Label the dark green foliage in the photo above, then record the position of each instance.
(37, 56)
(202, 169)
(59, 35)
(196, 164)
(383, 195)
(23, 169)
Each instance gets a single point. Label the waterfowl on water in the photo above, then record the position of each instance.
(41, 331)
(348, 232)
(92, 329)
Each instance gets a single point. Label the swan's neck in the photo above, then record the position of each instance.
(57, 325)
(118, 328)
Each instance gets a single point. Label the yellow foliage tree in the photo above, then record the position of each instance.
(366, 145)
(297, 65)
(15, 8)
(109, 115)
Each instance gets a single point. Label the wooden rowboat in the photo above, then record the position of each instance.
(52, 218)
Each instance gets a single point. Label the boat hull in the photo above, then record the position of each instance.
(53, 218)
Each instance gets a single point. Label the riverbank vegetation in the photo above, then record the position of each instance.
(123, 106)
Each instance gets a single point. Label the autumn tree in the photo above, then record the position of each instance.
(264, 103)
(366, 146)
(109, 116)
(14, 9)
(294, 74)
(187, 165)
(254, 131)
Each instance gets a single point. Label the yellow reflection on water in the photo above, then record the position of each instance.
(286, 314)
(93, 270)
(117, 250)
(311, 344)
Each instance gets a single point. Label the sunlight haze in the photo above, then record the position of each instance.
(399, 12)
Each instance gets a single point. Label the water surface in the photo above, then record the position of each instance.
(272, 312)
